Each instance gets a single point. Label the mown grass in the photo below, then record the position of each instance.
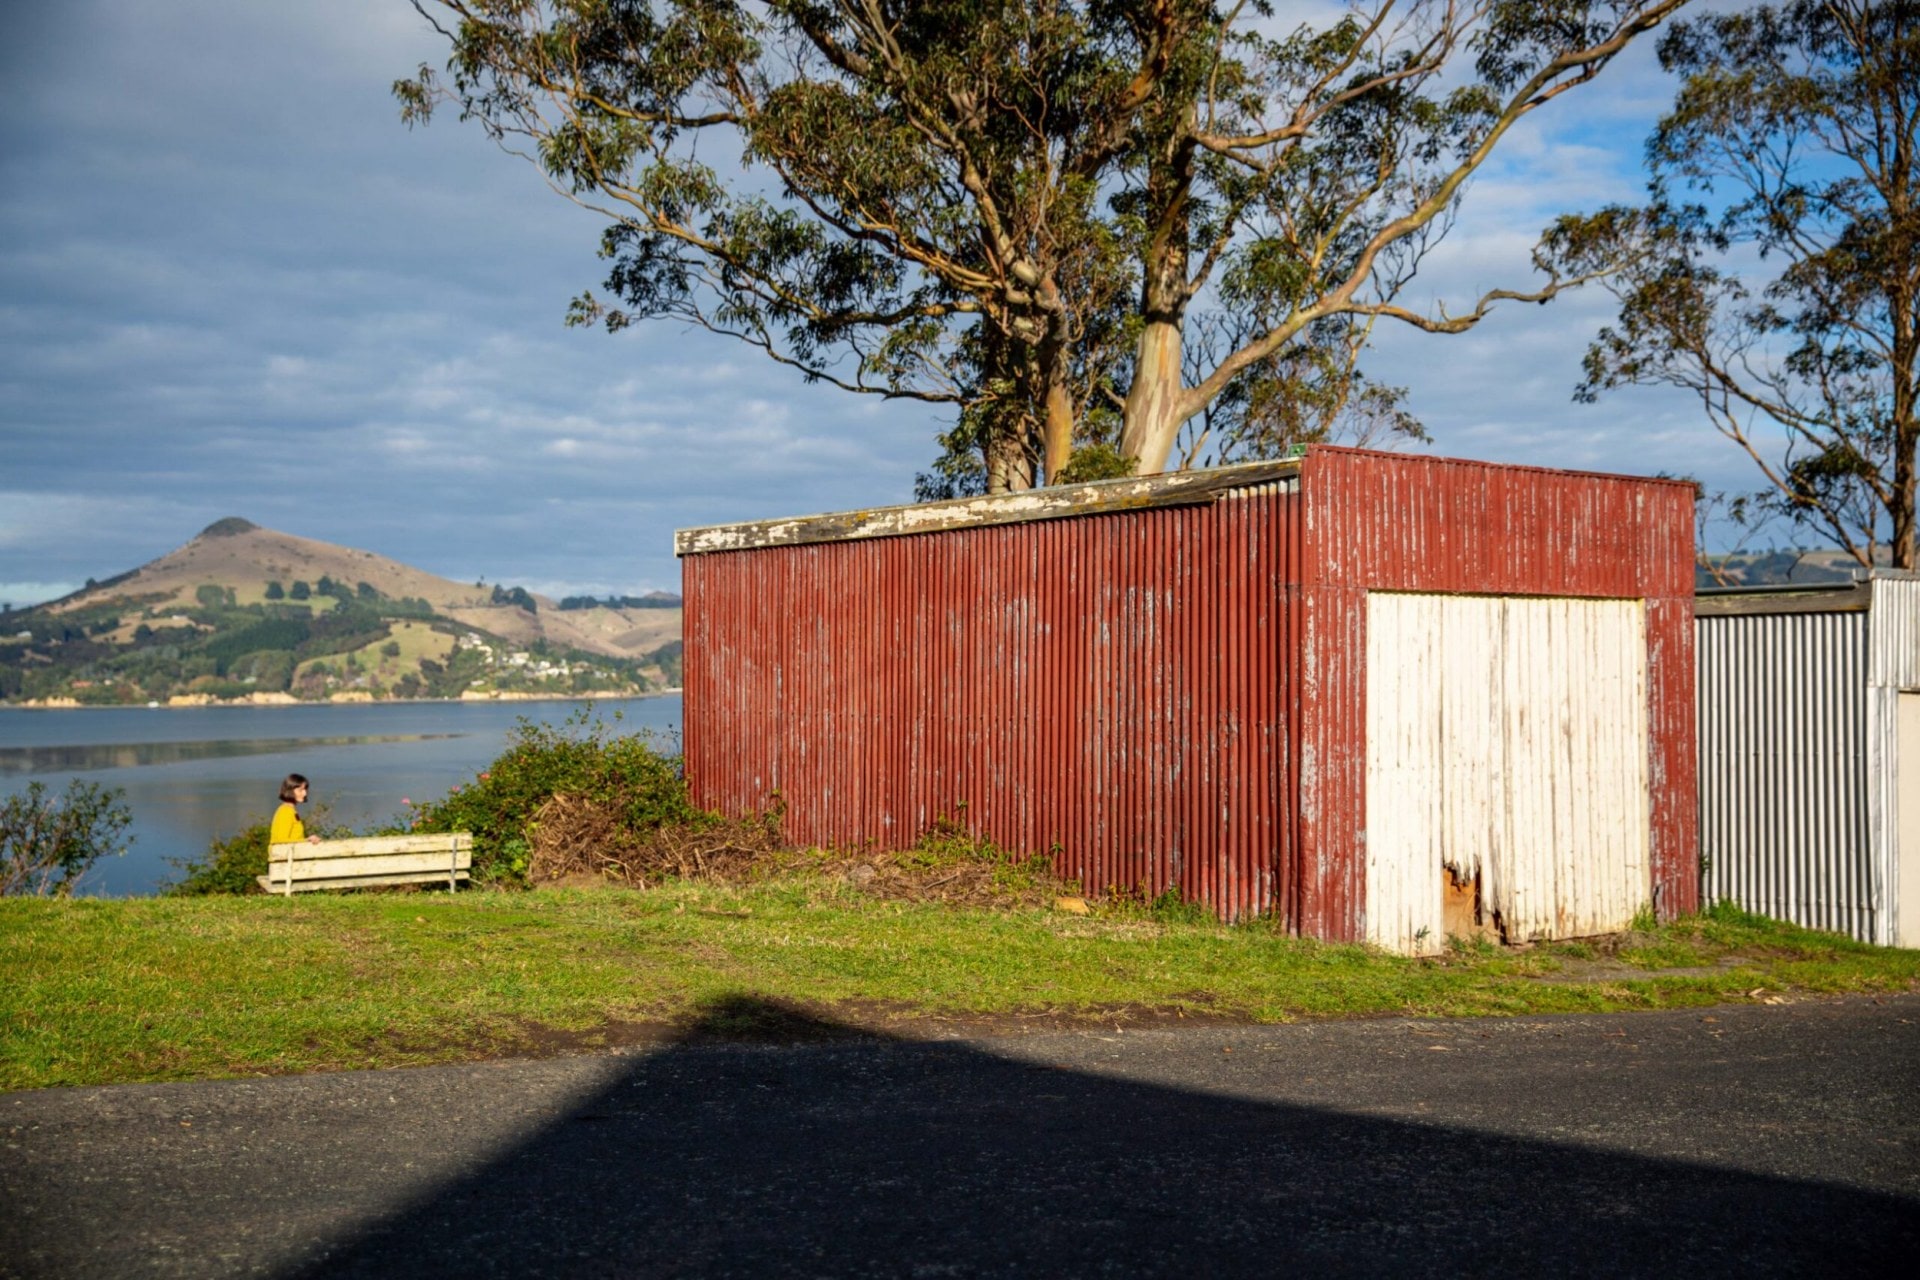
(159, 989)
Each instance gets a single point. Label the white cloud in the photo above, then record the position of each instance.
(22, 595)
(233, 283)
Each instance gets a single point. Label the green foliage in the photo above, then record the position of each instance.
(47, 844)
(581, 757)
(948, 845)
(270, 669)
(671, 659)
(519, 597)
(409, 607)
(652, 600)
(300, 590)
(1728, 912)
(1014, 210)
(1171, 907)
(1099, 461)
(275, 591)
(1775, 272)
(229, 527)
(270, 633)
(229, 866)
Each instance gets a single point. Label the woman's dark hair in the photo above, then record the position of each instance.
(286, 788)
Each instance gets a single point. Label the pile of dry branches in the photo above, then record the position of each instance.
(575, 838)
(578, 840)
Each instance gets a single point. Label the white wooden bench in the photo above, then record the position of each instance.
(368, 860)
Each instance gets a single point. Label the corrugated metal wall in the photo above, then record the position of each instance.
(1391, 522)
(1507, 749)
(1893, 666)
(1113, 685)
(1174, 695)
(1783, 769)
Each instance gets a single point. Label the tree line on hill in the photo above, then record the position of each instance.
(652, 600)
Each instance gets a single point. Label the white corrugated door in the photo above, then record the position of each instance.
(1506, 747)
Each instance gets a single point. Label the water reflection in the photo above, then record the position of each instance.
(15, 761)
(194, 774)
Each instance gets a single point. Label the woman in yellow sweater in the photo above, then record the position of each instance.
(287, 827)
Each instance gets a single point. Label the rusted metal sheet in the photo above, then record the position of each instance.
(1674, 779)
(1106, 689)
(1163, 681)
(1507, 767)
(1183, 488)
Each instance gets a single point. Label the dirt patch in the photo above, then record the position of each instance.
(790, 1022)
(1603, 969)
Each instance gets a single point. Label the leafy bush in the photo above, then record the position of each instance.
(46, 845)
(948, 852)
(229, 867)
(583, 757)
(232, 862)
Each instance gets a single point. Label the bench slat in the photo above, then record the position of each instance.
(368, 860)
(353, 882)
(367, 845)
(325, 868)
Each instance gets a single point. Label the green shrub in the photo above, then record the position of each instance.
(947, 845)
(233, 861)
(46, 845)
(583, 757)
(229, 867)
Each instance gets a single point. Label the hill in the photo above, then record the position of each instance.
(242, 611)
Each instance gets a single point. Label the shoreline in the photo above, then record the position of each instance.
(187, 702)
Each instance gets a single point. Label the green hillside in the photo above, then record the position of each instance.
(246, 614)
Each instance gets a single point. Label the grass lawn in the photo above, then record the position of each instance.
(101, 992)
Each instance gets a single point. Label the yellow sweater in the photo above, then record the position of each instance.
(286, 826)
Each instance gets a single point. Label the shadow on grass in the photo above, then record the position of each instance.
(824, 1151)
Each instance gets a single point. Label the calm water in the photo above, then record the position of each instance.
(194, 773)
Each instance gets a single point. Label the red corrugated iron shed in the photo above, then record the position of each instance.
(1164, 683)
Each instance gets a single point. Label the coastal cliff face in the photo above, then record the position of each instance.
(243, 614)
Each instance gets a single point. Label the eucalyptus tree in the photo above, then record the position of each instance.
(1023, 209)
(1776, 270)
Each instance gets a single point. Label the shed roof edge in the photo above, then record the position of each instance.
(1179, 488)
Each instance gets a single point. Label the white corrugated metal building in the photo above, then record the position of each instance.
(1809, 739)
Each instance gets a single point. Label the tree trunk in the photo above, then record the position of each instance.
(1153, 402)
(1153, 414)
(1903, 549)
(1009, 466)
(1057, 405)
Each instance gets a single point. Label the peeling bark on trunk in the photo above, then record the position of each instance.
(1153, 402)
(1153, 413)
(1059, 430)
(1057, 407)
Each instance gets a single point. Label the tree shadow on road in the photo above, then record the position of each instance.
(839, 1153)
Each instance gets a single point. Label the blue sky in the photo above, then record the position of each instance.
(232, 283)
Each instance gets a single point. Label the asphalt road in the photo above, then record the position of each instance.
(1744, 1141)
